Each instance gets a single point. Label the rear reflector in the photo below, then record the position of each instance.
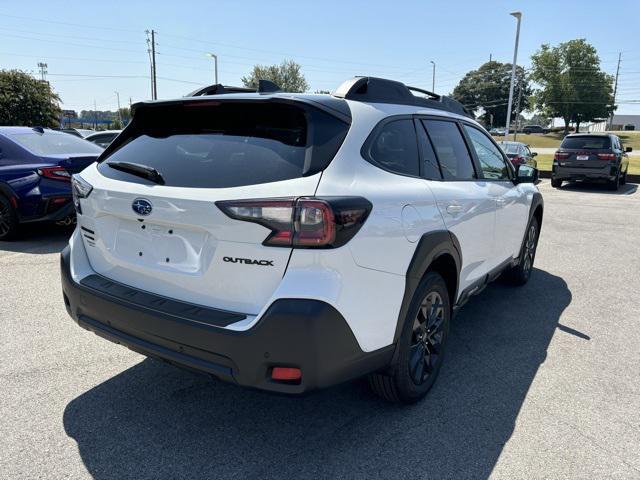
(304, 222)
(286, 374)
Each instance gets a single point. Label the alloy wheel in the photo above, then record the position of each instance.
(425, 351)
(529, 249)
(5, 219)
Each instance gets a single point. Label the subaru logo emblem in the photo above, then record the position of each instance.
(142, 206)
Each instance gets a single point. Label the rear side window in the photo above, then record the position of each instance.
(229, 144)
(395, 147)
(453, 156)
(590, 142)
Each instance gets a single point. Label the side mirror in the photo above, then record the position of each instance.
(534, 154)
(628, 149)
(526, 174)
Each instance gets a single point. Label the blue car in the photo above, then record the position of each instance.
(36, 165)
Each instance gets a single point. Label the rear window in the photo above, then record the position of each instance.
(54, 143)
(229, 144)
(510, 148)
(586, 143)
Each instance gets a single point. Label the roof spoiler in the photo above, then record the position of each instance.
(381, 90)
(264, 86)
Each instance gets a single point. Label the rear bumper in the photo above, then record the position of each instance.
(307, 334)
(67, 210)
(568, 173)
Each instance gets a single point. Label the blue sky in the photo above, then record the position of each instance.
(95, 48)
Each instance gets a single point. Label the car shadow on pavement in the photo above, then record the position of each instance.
(38, 239)
(156, 421)
(601, 188)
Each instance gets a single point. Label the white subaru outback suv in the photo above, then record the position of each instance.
(289, 242)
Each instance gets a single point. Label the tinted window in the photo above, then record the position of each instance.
(590, 142)
(490, 157)
(395, 147)
(52, 143)
(228, 144)
(429, 162)
(451, 150)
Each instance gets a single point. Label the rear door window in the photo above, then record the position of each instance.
(395, 147)
(229, 144)
(587, 142)
(451, 150)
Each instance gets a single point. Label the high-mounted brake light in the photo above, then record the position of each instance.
(55, 173)
(306, 222)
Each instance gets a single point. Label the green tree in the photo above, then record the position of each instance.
(572, 86)
(287, 76)
(487, 88)
(27, 101)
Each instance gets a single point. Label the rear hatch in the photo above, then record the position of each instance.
(164, 233)
(588, 152)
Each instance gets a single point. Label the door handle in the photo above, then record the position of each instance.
(454, 209)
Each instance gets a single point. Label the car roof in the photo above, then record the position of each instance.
(511, 142)
(15, 130)
(102, 132)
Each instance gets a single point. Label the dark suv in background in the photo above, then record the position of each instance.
(534, 129)
(591, 157)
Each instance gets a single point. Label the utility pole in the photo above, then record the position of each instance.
(433, 79)
(43, 71)
(153, 55)
(615, 90)
(515, 130)
(151, 50)
(518, 16)
(119, 111)
(490, 57)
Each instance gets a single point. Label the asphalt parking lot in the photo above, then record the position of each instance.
(539, 382)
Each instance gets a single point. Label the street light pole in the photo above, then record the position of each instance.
(518, 16)
(215, 61)
(119, 111)
(433, 79)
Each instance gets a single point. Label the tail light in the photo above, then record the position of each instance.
(607, 156)
(79, 189)
(303, 222)
(55, 173)
(560, 156)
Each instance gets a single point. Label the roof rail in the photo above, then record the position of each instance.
(264, 86)
(381, 90)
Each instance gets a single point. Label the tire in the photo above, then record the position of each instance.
(519, 275)
(556, 183)
(613, 186)
(421, 345)
(623, 180)
(8, 219)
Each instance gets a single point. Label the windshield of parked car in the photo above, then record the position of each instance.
(590, 142)
(54, 143)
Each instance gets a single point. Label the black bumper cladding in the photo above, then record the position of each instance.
(306, 334)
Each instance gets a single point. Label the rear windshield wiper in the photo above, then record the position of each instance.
(139, 170)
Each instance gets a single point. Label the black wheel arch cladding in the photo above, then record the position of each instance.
(431, 247)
